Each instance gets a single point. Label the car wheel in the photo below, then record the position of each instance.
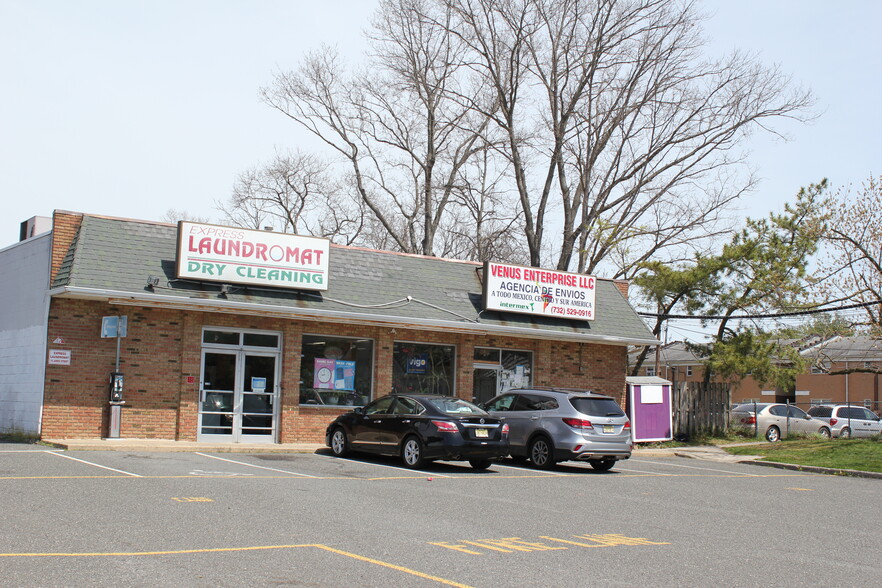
(412, 452)
(542, 453)
(824, 432)
(845, 433)
(339, 442)
(602, 465)
(773, 434)
(480, 464)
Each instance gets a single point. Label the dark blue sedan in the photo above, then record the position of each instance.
(421, 428)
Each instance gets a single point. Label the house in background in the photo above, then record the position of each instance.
(842, 370)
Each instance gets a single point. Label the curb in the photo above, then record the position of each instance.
(816, 469)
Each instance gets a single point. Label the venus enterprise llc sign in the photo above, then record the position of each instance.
(241, 256)
(531, 290)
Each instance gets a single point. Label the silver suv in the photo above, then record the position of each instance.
(548, 425)
(848, 421)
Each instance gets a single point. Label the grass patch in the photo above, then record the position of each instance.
(846, 454)
(18, 437)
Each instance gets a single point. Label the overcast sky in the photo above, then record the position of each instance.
(130, 108)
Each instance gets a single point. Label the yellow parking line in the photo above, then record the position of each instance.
(394, 567)
(254, 548)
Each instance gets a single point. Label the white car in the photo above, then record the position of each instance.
(848, 421)
(775, 421)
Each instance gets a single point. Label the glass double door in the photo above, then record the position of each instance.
(238, 397)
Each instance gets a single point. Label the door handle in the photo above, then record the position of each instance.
(406, 421)
(534, 418)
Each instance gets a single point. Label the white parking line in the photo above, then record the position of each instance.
(93, 464)
(399, 468)
(628, 470)
(531, 471)
(676, 465)
(251, 465)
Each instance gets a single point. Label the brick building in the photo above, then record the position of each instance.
(841, 370)
(211, 354)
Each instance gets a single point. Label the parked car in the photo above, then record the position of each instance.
(421, 428)
(548, 425)
(775, 421)
(848, 421)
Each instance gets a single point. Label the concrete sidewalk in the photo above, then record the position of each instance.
(164, 445)
(709, 453)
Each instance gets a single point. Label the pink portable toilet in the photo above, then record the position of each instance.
(650, 408)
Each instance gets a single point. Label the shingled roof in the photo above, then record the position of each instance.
(112, 258)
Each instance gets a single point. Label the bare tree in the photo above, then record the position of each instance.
(294, 193)
(852, 265)
(173, 215)
(396, 125)
(612, 117)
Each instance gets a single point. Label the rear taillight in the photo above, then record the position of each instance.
(833, 421)
(505, 430)
(628, 425)
(748, 421)
(578, 423)
(446, 427)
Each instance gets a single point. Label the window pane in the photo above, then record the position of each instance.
(221, 337)
(517, 370)
(597, 406)
(422, 369)
(261, 340)
(336, 371)
(485, 355)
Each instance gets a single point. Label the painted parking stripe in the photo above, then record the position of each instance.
(677, 465)
(97, 465)
(327, 548)
(399, 468)
(251, 465)
(537, 472)
(629, 470)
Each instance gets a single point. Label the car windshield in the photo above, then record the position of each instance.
(456, 406)
(597, 406)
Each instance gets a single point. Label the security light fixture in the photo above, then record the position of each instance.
(152, 281)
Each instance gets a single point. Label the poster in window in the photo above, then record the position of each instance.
(334, 374)
(344, 375)
(418, 363)
(324, 373)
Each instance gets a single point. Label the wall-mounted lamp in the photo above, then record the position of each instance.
(152, 281)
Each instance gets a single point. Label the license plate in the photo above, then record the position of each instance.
(482, 433)
(609, 429)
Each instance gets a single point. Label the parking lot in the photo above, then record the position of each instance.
(103, 518)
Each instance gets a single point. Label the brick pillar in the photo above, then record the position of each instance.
(465, 360)
(383, 365)
(191, 366)
(289, 411)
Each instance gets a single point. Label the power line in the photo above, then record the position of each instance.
(759, 316)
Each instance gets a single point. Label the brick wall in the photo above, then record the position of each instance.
(163, 349)
(64, 228)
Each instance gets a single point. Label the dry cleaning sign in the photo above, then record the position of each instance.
(241, 256)
(531, 290)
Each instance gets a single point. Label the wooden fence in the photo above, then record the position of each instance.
(700, 408)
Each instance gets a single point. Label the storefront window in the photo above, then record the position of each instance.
(423, 369)
(336, 371)
(499, 370)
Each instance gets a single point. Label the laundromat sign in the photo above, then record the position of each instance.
(531, 290)
(241, 256)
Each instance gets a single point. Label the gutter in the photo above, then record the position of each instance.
(251, 308)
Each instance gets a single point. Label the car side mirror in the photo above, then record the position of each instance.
(358, 410)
